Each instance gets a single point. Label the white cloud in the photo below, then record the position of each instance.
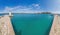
(36, 5)
(21, 9)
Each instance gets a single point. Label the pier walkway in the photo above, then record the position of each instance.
(6, 26)
(55, 29)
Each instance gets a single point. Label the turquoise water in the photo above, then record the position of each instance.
(32, 24)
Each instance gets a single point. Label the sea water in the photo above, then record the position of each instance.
(32, 24)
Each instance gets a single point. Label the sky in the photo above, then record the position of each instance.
(30, 5)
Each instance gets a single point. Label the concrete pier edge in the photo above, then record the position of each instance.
(55, 29)
(6, 27)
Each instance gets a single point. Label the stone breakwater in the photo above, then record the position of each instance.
(6, 26)
(55, 29)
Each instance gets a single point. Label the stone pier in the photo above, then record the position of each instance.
(6, 26)
(55, 29)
